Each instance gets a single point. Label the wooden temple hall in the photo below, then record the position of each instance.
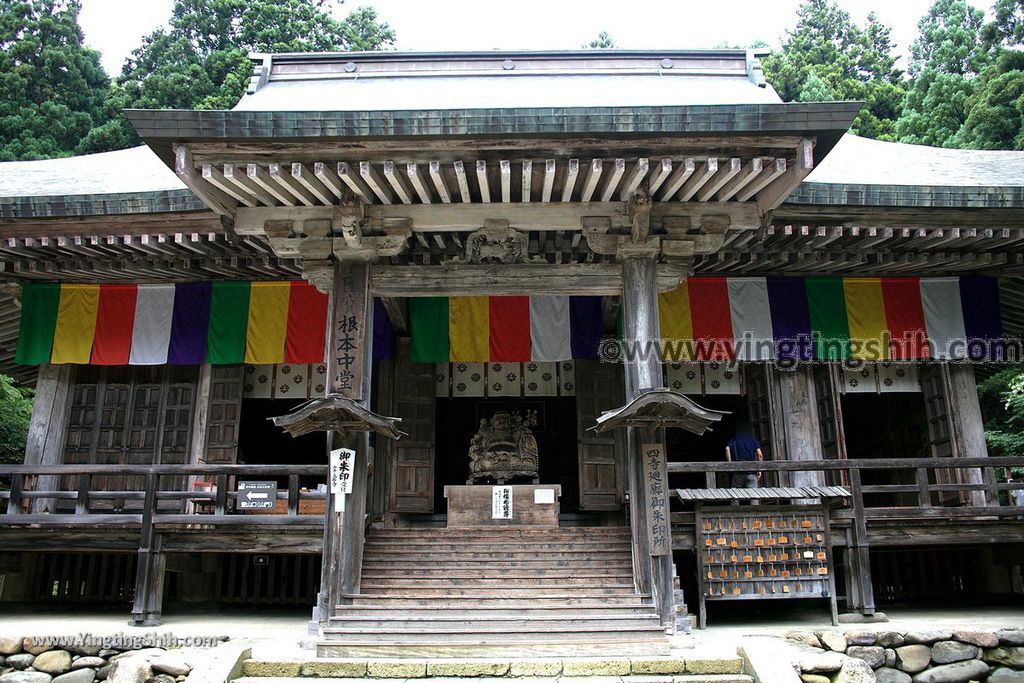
(448, 348)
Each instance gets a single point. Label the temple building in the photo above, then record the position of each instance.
(448, 347)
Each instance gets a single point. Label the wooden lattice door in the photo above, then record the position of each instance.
(412, 473)
(600, 387)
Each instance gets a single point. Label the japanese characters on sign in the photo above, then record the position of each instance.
(348, 335)
(342, 463)
(501, 502)
(656, 485)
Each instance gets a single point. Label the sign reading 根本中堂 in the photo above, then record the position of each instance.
(349, 334)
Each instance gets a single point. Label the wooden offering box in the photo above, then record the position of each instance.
(764, 553)
(534, 505)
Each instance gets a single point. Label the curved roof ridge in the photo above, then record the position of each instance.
(124, 171)
(863, 161)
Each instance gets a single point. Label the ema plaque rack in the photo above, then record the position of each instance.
(764, 553)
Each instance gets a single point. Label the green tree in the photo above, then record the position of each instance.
(52, 88)
(15, 411)
(1002, 407)
(815, 90)
(201, 61)
(995, 111)
(827, 56)
(945, 61)
(602, 42)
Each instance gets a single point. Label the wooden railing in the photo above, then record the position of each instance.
(65, 495)
(941, 487)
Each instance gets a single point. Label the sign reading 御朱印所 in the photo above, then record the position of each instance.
(256, 495)
(342, 463)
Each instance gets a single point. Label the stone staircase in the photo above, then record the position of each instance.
(494, 591)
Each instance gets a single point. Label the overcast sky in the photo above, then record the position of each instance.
(115, 27)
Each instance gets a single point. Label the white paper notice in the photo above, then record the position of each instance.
(544, 496)
(342, 462)
(501, 502)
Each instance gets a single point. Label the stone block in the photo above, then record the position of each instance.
(396, 668)
(130, 670)
(87, 663)
(977, 638)
(9, 645)
(336, 668)
(861, 638)
(822, 662)
(595, 666)
(833, 641)
(891, 639)
(270, 669)
(949, 651)
(1006, 656)
(927, 637)
(171, 662)
(815, 678)
(959, 672)
(872, 655)
(535, 667)
(890, 658)
(21, 661)
(855, 671)
(53, 662)
(25, 677)
(77, 676)
(1010, 636)
(805, 637)
(889, 675)
(714, 665)
(656, 665)
(467, 667)
(1004, 675)
(36, 646)
(913, 658)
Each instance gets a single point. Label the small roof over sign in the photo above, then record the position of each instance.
(660, 408)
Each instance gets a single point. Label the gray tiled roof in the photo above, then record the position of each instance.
(128, 170)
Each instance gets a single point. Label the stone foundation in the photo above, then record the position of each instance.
(73, 659)
(930, 656)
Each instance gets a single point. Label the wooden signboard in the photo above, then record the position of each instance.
(349, 332)
(764, 553)
(656, 485)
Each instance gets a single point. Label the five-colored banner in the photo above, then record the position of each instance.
(829, 318)
(178, 324)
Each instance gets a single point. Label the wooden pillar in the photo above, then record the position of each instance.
(349, 362)
(151, 562)
(801, 439)
(47, 427)
(967, 428)
(643, 373)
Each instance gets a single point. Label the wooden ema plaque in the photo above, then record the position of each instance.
(764, 553)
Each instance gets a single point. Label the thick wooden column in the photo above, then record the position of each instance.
(801, 439)
(643, 373)
(967, 428)
(47, 427)
(349, 359)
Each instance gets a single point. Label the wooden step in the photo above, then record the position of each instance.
(468, 630)
(488, 592)
(494, 545)
(497, 582)
(486, 572)
(501, 602)
(525, 554)
(476, 611)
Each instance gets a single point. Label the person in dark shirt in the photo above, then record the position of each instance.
(744, 447)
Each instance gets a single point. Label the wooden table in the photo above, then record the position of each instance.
(470, 506)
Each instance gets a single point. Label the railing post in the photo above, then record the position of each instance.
(14, 502)
(988, 476)
(924, 491)
(861, 554)
(221, 506)
(82, 499)
(149, 572)
(711, 479)
(293, 495)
